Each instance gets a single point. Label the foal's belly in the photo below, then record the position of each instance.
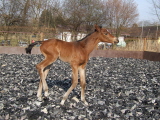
(65, 59)
(65, 56)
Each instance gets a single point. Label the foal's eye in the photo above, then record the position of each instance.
(106, 34)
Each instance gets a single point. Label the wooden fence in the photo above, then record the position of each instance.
(152, 56)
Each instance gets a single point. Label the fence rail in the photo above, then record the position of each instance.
(152, 56)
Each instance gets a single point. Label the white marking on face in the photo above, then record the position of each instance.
(108, 31)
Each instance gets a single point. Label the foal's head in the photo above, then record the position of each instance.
(105, 35)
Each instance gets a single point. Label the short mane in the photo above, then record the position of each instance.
(85, 37)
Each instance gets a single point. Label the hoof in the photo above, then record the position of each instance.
(62, 102)
(86, 103)
(46, 94)
(40, 98)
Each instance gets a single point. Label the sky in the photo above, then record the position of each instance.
(145, 10)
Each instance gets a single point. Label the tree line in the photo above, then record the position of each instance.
(76, 15)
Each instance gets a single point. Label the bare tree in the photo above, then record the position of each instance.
(55, 7)
(93, 13)
(37, 6)
(14, 12)
(83, 14)
(156, 6)
(74, 13)
(10, 12)
(25, 12)
(120, 14)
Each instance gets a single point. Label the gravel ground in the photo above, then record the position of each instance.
(117, 88)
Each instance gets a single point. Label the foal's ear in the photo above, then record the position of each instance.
(97, 28)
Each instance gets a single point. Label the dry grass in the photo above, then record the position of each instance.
(141, 45)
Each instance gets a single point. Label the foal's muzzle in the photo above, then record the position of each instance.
(116, 41)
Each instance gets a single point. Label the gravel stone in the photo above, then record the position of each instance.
(117, 88)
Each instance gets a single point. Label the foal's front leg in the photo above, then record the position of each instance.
(74, 83)
(83, 84)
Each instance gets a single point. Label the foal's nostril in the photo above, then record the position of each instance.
(117, 41)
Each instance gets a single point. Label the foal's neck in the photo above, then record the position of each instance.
(90, 42)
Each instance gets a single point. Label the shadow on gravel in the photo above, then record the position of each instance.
(64, 84)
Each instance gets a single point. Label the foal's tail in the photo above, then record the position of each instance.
(29, 48)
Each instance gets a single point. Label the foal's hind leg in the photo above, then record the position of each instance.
(74, 83)
(46, 70)
(43, 74)
(82, 83)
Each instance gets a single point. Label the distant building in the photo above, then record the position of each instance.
(69, 37)
(121, 43)
(158, 40)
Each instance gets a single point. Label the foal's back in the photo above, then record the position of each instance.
(66, 51)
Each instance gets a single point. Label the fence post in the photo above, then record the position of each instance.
(41, 36)
(144, 44)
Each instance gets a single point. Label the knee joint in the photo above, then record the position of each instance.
(39, 68)
(83, 84)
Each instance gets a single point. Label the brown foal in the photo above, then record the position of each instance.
(76, 53)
